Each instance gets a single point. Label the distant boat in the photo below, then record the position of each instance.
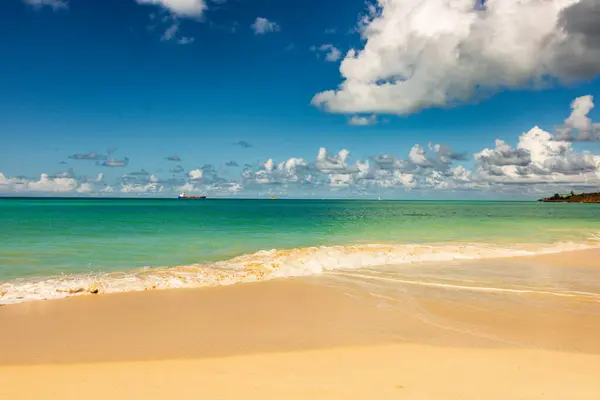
(379, 198)
(272, 198)
(185, 196)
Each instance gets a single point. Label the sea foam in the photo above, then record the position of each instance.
(265, 265)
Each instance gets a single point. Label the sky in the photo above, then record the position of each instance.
(403, 99)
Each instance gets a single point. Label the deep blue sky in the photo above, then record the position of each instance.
(98, 75)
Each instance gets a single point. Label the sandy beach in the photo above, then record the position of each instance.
(311, 337)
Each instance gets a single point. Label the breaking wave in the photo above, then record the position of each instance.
(265, 265)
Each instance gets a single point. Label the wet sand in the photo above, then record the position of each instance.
(323, 337)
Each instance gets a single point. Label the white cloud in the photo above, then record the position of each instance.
(52, 185)
(85, 188)
(332, 53)
(196, 174)
(437, 53)
(60, 183)
(581, 107)
(269, 165)
(418, 156)
(294, 163)
(329, 164)
(11, 184)
(182, 8)
(225, 188)
(362, 121)
(460, 173)
(55, 4)
(263, 25)
(136, 188)
(538, 158)
(188, 188)
(445, 154)
(578, 126)
(339, 181)
(290, 171)
(504, 154)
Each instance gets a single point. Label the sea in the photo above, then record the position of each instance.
(54, 247)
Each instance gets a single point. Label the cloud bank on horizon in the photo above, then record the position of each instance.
(539, 162)
(473, 49)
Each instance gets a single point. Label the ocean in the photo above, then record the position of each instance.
(53, 248)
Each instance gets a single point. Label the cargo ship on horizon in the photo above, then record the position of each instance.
(185, 196)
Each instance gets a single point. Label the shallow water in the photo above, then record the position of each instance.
(57, 247)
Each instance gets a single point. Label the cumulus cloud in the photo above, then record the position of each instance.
(45, 183)
(151, 187)
(232, 164)
(48, 184)
(445, 154)
(8, 184)
(332, 163)
(182, 8)
(225, 188)
(196, 175)
(140, 182)
(262, 26)
(578, 127)
(85, 188)
(538, 157)
(357, 120)
(174, 158)
(418, 157)
(409, 63)
(332, 53)
(503, 154)
(134, 183)
(54, 4)
(292, 171)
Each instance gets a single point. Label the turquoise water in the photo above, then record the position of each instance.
(50, 237)
(46, 237)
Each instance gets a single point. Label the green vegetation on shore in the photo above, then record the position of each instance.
(573, 198)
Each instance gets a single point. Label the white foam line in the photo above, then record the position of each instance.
(472, 288)
(270, 264)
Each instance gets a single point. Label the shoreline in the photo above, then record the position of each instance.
(266, 265)
(302, 313)
(319, 337)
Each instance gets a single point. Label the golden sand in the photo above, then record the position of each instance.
(367, 372)
(305, 338)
